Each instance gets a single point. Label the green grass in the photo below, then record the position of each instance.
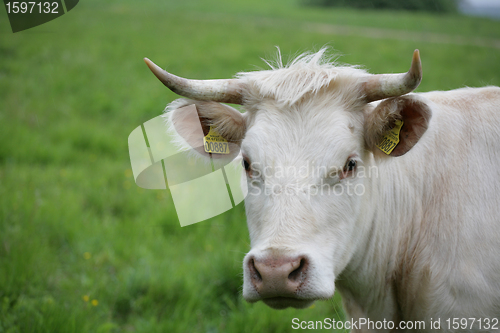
(72, 221)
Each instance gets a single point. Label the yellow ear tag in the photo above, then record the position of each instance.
(390, 139)
(214, 143)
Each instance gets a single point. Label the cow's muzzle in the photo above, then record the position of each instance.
(278, 280)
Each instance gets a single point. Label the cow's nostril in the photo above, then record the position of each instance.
(254, 271)
(297, 274)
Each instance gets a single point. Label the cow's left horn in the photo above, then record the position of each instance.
(391, 85)
(224, 91)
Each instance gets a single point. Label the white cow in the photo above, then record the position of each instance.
(409, 236)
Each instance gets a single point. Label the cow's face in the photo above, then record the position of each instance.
(307, 145)
(303, 168)
(309, 170)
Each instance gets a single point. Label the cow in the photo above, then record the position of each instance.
(409, 231)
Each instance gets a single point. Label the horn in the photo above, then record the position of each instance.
(391, 85)
(224, 91)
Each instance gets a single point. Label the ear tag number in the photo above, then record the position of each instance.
(390, 139)
(214, 143)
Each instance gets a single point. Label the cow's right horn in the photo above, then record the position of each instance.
(391, 85)
(224, 91)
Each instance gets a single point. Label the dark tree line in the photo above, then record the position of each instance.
(439, 6)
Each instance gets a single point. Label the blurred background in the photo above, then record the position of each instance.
(82, 248)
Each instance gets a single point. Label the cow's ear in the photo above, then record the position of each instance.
(192, 120)
(384, 118)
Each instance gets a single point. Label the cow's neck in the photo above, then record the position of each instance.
(370, 282)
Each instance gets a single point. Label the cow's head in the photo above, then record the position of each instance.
(307, 141)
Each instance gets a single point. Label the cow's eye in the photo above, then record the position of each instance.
(246, 164)
(350, 165)
(349, 168)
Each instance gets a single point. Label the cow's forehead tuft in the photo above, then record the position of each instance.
(307, 74)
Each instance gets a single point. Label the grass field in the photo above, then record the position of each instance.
(82, 248)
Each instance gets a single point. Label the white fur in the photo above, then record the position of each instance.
(422, 241)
